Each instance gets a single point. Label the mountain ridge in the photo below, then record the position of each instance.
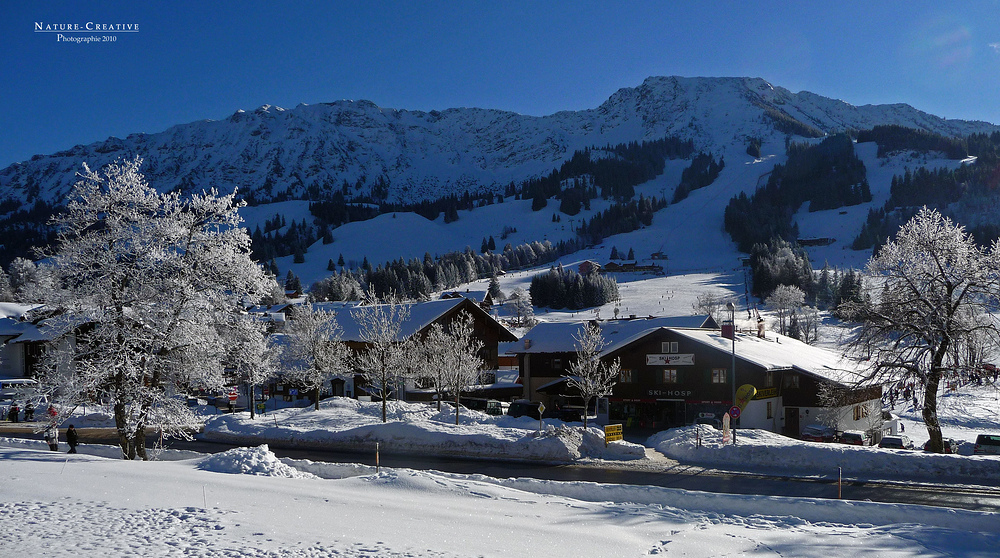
(272, 153)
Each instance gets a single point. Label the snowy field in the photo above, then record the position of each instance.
(247, 502)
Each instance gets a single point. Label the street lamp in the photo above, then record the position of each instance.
(732, 325)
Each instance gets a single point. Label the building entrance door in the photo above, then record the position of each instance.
(791, 422)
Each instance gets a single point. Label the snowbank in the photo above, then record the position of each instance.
(251, 461)
(765, 452)
(348, 424)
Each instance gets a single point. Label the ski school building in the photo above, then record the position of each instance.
(677, 369)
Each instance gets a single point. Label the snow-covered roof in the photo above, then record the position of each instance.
(16, 310)
(50, 328)
(559, 337)
(477, 296)
(777, 352)
(421, 315)
(10, 327)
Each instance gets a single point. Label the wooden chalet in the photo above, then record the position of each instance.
(674, 370)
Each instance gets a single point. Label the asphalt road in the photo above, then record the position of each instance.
(669, 474)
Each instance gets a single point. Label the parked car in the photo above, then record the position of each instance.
(950, 445)
(818, 433)
(711, 421)
(488, 406)
(987, 444)
(855, 438)
(524, 408)
(896, 442)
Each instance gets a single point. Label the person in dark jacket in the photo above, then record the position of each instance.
(72, 439)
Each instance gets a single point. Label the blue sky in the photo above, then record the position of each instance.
(204, 60)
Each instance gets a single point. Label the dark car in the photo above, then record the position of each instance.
(896, 442)
(488, 406)
(950, 445)
(711, 421)
(565, 414)
(855, 438)
(524, 408)
(818, 433)
(987, 444)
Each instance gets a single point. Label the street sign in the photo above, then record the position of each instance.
(233, 396)
(734, 412)
(541, 408)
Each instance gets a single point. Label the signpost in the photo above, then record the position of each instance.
(541, 409)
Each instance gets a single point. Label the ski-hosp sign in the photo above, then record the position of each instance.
(670, 360)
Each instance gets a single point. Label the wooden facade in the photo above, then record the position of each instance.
(671, 376)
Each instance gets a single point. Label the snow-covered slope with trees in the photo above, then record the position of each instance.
(358, 147)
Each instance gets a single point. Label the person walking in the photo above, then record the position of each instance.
(52, 438)
(72, 439)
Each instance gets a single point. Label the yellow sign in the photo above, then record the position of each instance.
(743, 396)
(612, 432)
(766, 393)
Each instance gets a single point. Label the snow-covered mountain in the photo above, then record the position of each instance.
(271, 153)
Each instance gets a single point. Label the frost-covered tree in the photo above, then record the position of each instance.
(461, 355)
(786, 299)
(803, 325)
(932, 290)
(6, 291)
(383, 361)
(28, 281)
(253, 355)
(146, 284)
(524, 313)
(588, 374)
(314, 351)
(435, 359)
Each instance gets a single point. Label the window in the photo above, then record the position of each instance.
(791, 381)
(557, 363)
(626, 376)
(719, 375)
(769, 379)
(668, 347)
(770, 410)
(860, 412)
(668, 376)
